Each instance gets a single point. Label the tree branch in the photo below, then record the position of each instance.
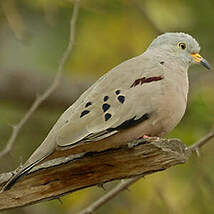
(125, 184)
(69, 171)
(196, 146)
(53, 86)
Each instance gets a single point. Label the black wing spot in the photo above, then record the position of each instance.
(87, 104)
(129, 123)
(162, 62)
(107, 116)
(105, 107)
(106, 98)
(84, 113)
(117, 92)
(121, 99)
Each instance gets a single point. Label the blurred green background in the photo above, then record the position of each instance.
(33, 36)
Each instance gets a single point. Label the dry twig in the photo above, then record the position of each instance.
(196, 146)
(52, 87)
(123, 185)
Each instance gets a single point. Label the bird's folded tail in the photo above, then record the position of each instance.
(18, 175)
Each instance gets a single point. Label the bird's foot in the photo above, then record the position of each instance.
(150, 138)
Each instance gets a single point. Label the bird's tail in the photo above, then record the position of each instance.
(18, 175)
(45, 149)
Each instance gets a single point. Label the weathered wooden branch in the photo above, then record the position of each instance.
(67, 173)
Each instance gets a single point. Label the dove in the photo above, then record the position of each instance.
(143, 96)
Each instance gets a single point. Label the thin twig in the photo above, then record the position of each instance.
(125, 184)
(50, 89)
(204, 140)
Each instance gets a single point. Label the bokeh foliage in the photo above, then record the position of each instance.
(33, 36)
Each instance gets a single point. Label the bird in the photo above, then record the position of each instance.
(143, 96)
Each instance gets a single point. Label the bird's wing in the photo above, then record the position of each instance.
(118, 100)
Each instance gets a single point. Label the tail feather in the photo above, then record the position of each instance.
(46, 148)
(18, 175)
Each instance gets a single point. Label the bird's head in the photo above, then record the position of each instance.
(180, 45)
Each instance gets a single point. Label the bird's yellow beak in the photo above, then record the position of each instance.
(199, 59)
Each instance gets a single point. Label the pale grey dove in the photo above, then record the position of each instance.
(145, 95)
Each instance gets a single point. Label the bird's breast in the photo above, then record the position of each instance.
(171, 105)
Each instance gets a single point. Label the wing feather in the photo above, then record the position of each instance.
(124, 103)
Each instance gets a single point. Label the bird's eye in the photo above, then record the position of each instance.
(182, 45)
